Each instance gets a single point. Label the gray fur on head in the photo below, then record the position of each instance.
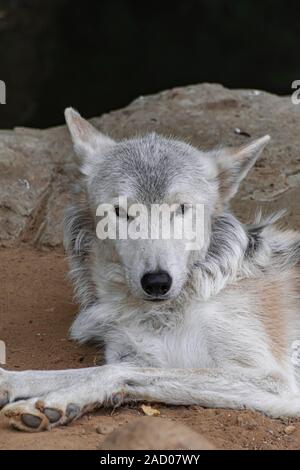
(155, 169)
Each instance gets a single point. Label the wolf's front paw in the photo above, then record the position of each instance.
(36, 415)
(25, 416)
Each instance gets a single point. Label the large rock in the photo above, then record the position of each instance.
(37, 167)
(155, 434)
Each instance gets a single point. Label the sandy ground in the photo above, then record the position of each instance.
(36, 311)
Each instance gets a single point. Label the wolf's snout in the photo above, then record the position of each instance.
(156, 283)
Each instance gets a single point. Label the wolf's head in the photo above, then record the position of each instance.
(155, 171)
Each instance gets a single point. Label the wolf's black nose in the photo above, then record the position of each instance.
(156, 283)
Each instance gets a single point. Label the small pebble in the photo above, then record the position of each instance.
(290, 429)
(102, 429)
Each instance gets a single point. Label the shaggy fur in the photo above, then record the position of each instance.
(224, 334)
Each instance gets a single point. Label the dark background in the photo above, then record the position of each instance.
(98, 55)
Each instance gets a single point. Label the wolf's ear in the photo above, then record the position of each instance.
(234, 164)
(87, 140)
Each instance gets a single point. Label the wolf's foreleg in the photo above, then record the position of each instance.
(114, 384)
(33, 383)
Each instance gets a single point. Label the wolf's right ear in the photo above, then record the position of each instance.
(88, 142)
(234, 164)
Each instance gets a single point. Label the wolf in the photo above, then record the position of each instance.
(215, 327)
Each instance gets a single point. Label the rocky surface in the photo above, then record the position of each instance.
(38, 166)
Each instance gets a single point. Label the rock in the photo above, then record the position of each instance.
(150, 433)
(290, 429)
(104, 429)
(37, 167)
(35, 178)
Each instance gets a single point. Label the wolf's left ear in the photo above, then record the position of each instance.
(89, 143)
(234, 164)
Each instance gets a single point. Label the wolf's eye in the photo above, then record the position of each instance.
(122, 214)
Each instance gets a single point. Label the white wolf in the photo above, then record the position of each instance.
(223, 332)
